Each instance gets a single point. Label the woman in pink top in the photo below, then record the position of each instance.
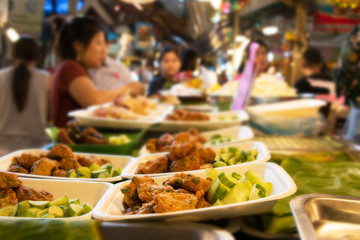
(81, 45)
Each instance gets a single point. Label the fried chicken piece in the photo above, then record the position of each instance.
(7, 197)
(146, 191)
(196, 116)
(91, 136)
(184, 137)
(69, 163)
(14, 167)
(180, 150)
(131, 198)
(165, 140)
(159, 165)
(189, 182)
(205, 155)
(59, 173)
(86, 161)
(171, 202)
(190, 162)
(9, 180)
(27, 193)
(146, 208)
(63, 137)
(44, 166)
(151, 145)
(26, 160)
(59, 152)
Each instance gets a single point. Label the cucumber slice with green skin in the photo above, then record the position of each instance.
(254, 152)
(116, 172)
(39, 204)
(268, 188)
(217, 158)
(59, 201)
(74, 200)
(243, 156)
(34, 210)
(232, 150)
(25, 213)
(108, 167)
(104, 175)
(250, 158)
(219, 164)
(9, 211)
(94, 167)
(262, 191)
(87, 208)
(84, 171)
(254, 194)
(236, 194)
(47, 215)
(96, 174)
(212, 173)
(24, 204)
(232, 161)
(42, 213)
(71, 173)
(227, 180)
(247, 183)
(74, 210)
(254, 178)
(217, 203)
(56, 211)
(225, 157)
(63, 207)
(236, 175)
(211, 193)
(221, 192)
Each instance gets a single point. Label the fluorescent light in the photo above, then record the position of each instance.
(12, 34)
(240, 38)
(270, 57)
(270, 30)
(230, 52)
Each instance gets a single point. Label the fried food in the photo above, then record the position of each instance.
(44, 166)
(69, 163)
(59, 152)
(183, 115)
(26, 160)
(146, 191)
(206, 155)
(14, 167)
(187, 163)
(115, 112)
(131, 198)
(9, 180)
(181, 150)
(189, 182)
(171, 202)
(7, 197)
(159, 165)
(27, 193)
(63, 137)
(59, 173)
(91, 136)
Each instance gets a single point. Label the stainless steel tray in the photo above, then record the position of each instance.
(163, 231)
(324, 216)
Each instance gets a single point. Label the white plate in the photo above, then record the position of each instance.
(87, 192)
(237, 134)
(116, 161)
(263, 156)
(110, 206)
(86, 118)
(295, 108)
(214, 123)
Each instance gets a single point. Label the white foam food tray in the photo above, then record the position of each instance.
(86, 192)
(110, 207)
(263, 155)
(237, 134)
(116, 160)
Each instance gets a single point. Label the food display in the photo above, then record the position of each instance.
(218, 139)
(268, 85)
(115, 112)
(183, 115)
(183, 191)
(232, 156)
(61, 162)
(18, 200)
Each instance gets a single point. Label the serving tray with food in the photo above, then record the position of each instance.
(207, 194)
(22, 198)
(61, 163)
(211, 138)
(185, 155)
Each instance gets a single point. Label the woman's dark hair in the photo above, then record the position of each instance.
(166, 50)
(312, 57)
(24, 50)
(260, 42)
(188, 60)
(81, 29)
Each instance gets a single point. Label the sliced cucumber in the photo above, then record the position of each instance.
(236, 175)
(94, 167)
(56, 211)
(59, 201)
(268, 188)
(219, 164)
(211, 193)
(87, 208)
(254, 178)
(74, 210)
(212, 173)
(24, 204)
(232, 161)
(221, 192)
(47, 215)
(71, 173)
(34, 210)
(99, 173)
(218, 203)
(74, 200)
(108, 167)
(39, 204)
(227, 180)
(254, 194)
(116, 172)
(9, 211)
(236, 194)
(84, 171)
(25, 213)
(42, 213)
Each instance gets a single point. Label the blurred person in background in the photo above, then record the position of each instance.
(313, 68)
(24, 98)
(80, 47)
(169, 62)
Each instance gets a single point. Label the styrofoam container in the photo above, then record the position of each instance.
(110, 207)
(263, 155)
(116, 161)
(86, 192)
(237, 134)
(215, 122)
(295, 108)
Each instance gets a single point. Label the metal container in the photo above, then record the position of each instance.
(163, 231)
(325, 216)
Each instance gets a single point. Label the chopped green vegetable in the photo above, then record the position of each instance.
(56, 211)
(9, 211)
(24, 204)
(84, 172)
(86, 208)
(74, 210)
(116, 172)
(39, 204)
(42, 213)
(108, 167)
(59, 201)
(71, 173)
(233, 156)
(227, 180)
(99, 173)
(94, 167)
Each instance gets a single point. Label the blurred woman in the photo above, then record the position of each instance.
(261, 60)
(169, 66)
(24, 97)
(81, 45)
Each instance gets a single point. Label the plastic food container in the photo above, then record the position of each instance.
(86, 192)
(110, 207)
